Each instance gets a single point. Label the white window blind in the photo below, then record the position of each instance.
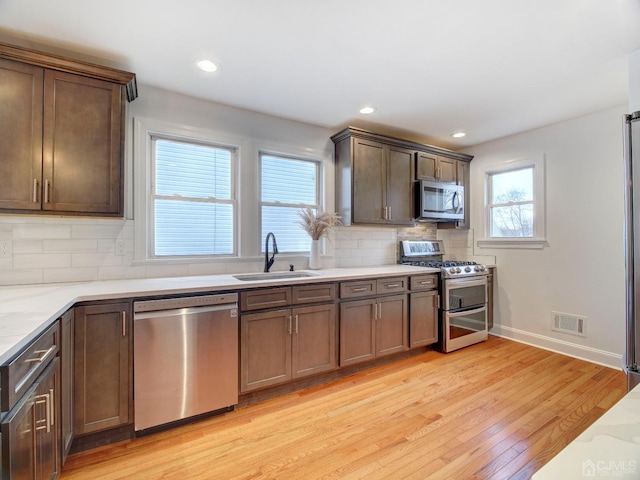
(287, 185)
(193, 199)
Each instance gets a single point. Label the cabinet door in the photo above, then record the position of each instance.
(265, 349)
(490, 299)
(369, 174)
(103, 387)
(82, 144)
(47, 416)
(66, 382)
(21, 142)
(357, 331)
(448, 170)
(423, 318)
(18, 440)
(426, 166)
(463, 179)
(400, 201)
(391, 325)
(314, 340)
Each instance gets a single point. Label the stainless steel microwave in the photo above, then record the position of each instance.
(440, 202)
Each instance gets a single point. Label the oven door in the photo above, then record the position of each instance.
(464, 328)
(464, 293)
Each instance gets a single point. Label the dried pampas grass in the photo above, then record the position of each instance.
(318, 224)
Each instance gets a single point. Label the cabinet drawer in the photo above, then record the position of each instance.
(20, 373)
(391, 285)
(423, 282)
(265, 298)
(325, 292)
(361, 288)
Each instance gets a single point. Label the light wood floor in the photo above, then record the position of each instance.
(495, 410)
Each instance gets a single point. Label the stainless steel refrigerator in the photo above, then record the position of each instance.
(631, 127)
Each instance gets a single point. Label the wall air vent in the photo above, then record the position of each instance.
(568, 323)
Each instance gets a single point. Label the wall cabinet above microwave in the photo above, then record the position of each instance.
(63, 126)
(375, 176)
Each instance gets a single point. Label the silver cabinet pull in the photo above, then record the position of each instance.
(359, 289)
(296, 330)
(290, 324)
(379, 311)
(44, 399)
(392, 285)
(46, 191)
(375, 311)
(35, 190)
(389, 213)
(438, 300)
(52, 410)
(42, 355)
(124, 323)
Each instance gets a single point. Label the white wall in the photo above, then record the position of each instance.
(634, 81)
(581, 271)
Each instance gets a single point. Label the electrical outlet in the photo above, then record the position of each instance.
(120, 247)
(6, 249)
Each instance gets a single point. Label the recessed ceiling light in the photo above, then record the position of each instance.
(367, 110)
(207, 66)
(458, 135)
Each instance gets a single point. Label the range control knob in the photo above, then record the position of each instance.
(478, 268)
(467, 269)
(457, 269)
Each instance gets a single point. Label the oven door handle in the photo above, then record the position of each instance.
(452, 283)
(462, 313)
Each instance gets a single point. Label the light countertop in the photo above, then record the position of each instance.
(26, 311)
(609, 448)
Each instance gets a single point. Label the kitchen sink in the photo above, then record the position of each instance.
(252, 277)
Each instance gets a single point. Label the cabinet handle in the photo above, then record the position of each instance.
(124, 323)
(46, 191)
(35, 190)
(296, 330)
(43, 354)
(438, 300)
(39, 400)
(392, 285)
(389, 213)
(52, 410)
(359, 289)
(426, 282)
(379, 311)
(375, 311)
(290, 323)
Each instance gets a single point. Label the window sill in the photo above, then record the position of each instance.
(523, 243)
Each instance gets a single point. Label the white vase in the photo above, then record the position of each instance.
(314, 255)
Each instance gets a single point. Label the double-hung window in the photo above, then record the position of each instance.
(287, 185)
(193, 204)
(515, 204)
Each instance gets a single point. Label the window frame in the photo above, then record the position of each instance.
(538, 240)
(318, 192)
(153, 196)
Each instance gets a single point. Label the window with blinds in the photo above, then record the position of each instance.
(193, 205)
(287, 185)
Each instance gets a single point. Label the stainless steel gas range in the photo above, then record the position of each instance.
(463, 293)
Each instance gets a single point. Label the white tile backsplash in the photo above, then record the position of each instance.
(60, 249)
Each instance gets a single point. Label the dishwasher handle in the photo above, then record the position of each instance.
(175, 303)
(178, 312)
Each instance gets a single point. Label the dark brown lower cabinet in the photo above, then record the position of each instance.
(66, 382)
(372, 328)
(103, 379)
(423, 318)
(30, 431)
(281, 345)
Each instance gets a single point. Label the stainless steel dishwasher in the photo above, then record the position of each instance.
(185, 357)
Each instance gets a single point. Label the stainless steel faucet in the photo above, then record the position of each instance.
(268, 262)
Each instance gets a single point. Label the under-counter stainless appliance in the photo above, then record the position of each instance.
(437, 201)
(185, 357)
(463, 290)
(631, 129)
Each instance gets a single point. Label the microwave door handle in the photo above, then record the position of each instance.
(455, 203)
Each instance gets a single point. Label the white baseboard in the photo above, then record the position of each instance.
(593, 355)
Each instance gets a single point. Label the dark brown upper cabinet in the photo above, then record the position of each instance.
(376, 174)
(63, 127)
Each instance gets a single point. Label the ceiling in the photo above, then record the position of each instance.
(430, 68)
